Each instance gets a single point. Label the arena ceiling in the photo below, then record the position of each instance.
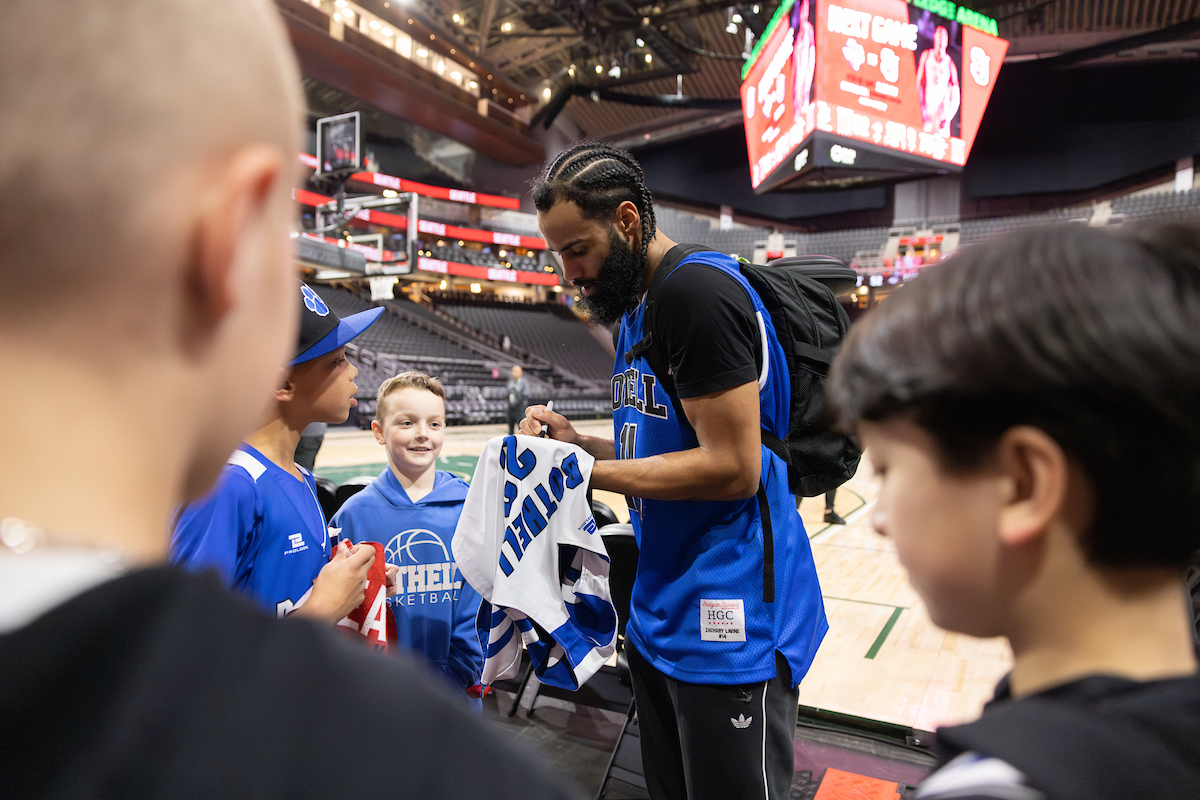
(594, 59)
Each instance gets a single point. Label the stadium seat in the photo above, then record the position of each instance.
(625, 762)
(547, 331)
(350, 488)
(327, 496)
(603, 514)
(610, 688)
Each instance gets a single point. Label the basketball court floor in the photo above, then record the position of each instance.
(883, 658)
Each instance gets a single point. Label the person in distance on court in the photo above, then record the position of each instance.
(310, 444)
(153, 325)
(1031, 407)
(715, 665)
(831, 516)
(262, 528)
(518, 397)
(412, 508)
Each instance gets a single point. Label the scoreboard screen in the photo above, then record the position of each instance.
(879, 85)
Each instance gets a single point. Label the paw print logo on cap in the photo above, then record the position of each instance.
(313, 302)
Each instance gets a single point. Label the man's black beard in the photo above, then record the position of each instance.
(619, 284)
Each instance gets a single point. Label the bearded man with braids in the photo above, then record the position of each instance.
(722, 625)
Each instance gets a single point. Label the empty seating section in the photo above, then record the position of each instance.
(475, 379)
(553, 334)
(1159, 204)
(392, 334)
(476, 386)
(444, 320)
(684, 227)
(341, 301)
(844, 245)
(975, 230)
(848, 244)
(692, 229)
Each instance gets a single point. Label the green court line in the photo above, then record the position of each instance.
(883, 634)
(341, 474)
(864, 602)
(462, 466)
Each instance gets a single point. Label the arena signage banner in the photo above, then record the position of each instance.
(423, 189)
(437, 192)
(911, 80)
(474, 235)
(486, 273)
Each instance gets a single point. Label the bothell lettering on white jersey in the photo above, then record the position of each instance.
(527, 542)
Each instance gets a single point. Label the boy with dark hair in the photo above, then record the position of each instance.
(262, 528)
(1031, 406)
(412, 508)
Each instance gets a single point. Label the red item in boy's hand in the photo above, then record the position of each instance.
(373, 619)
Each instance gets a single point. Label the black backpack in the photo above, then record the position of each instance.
(810, 325)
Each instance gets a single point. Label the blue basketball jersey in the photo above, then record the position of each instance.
(261, 529)
(697, 611)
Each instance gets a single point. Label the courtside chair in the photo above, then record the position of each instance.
(351, 487)
(625, 762)
(327, 496)
(602, 691)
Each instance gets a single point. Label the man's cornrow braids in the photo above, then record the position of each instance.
(594, 168)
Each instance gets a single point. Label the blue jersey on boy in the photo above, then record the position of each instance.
(435, 609)
(261, 529)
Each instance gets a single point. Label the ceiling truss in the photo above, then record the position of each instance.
(572, 47)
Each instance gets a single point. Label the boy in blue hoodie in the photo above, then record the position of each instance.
(413, 509)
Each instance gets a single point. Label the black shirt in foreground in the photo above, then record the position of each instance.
(162, 684)
(703, 323)
(1097, 738)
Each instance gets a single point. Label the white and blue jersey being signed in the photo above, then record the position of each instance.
(435, 609)
(261, 529)
(528, 544)
(697, 611)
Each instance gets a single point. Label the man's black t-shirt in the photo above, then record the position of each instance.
(162, 684)
(702, 322)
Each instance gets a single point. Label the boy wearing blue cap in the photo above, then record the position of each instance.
(262, 528)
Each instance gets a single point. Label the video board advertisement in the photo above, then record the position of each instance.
(912, 78)
(785, 64)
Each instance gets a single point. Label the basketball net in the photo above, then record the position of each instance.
(383, 287)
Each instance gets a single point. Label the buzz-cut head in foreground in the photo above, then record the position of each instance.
(146, 161)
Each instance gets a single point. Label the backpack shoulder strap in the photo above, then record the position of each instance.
(646, 347)
(764, 509)
(660, 276)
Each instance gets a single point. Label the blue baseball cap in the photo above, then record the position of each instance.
(321, 330)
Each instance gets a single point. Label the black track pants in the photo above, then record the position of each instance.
(702, 742)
